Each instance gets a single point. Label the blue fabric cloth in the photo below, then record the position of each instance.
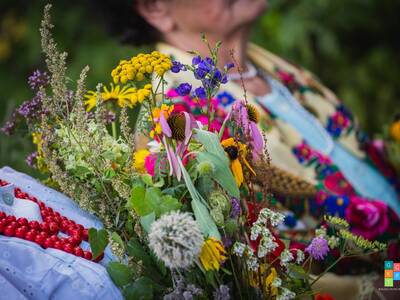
(28, 271)
(367, 181)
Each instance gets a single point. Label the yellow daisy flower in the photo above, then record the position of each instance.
(139, 158)
(237, 152)
(212, 254)
(122, 96)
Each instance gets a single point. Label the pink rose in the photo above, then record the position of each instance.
(367, 218)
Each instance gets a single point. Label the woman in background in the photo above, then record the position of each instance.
(312, 137)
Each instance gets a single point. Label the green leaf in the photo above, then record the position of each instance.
(147, 220)
(81, 172)
(141, 289)
(138, 203)
(135, 249)
(147, 179)
(144, 202)
(222, 173)
(168, 203)
(203, 218)
(211, 143)
(116, 238)
(120, 274)
(98, 240)
(109, 174)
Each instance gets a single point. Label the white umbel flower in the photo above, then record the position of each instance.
(176, 239)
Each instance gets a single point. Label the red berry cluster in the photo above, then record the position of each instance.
(46, 234)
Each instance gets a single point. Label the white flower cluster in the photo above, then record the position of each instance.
(286, 257)
(286, 294)
(274, 217)
(176, 239)
(277, 282)
(241, 249)
(299, 256)
(267, 241)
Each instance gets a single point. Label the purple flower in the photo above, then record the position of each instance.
(9, 126)
(38, 79)
(184, 89)
(222, 293)
(177, 67)
(318, 248)
(200, 93)
(31, 159)
(235, 207)
(229, 66)
(196, 60)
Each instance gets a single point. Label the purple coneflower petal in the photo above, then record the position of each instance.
(188, 128)
(164, 125)
(258, 141)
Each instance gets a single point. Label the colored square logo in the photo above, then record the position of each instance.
(396, 276)
(388, 273)
(389, 282)
(396, 267)
(388, 264)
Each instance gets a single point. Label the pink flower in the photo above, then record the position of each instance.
(286, 78)
(337, 184)
(321, 197)
(149, 163)
(367, 218)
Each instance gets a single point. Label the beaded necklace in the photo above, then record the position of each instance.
(45, 234)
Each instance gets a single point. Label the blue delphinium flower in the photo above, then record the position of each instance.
(200, 92)
(196, 60)
(177, 67)
(184, 89)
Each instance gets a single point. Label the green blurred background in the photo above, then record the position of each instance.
(351, 45)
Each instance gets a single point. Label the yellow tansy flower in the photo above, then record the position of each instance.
(237, 152)
(139, 158)
(395, 131)
(212, 254)
(141, 66)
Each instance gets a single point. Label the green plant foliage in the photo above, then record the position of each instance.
(98, 240)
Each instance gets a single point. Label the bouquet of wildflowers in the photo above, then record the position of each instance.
(178, 190)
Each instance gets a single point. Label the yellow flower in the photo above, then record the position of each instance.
(139, 158)
(141, 66)
(40, 161)
(395, 131)
(212, 254)
(123, 97)
(269, 280)
(259, 278)
(156, 113)
(236, 151)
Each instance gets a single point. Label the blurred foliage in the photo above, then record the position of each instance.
(352, 46)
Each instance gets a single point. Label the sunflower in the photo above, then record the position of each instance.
(237, 152)
(212, 254)
(122, 96)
